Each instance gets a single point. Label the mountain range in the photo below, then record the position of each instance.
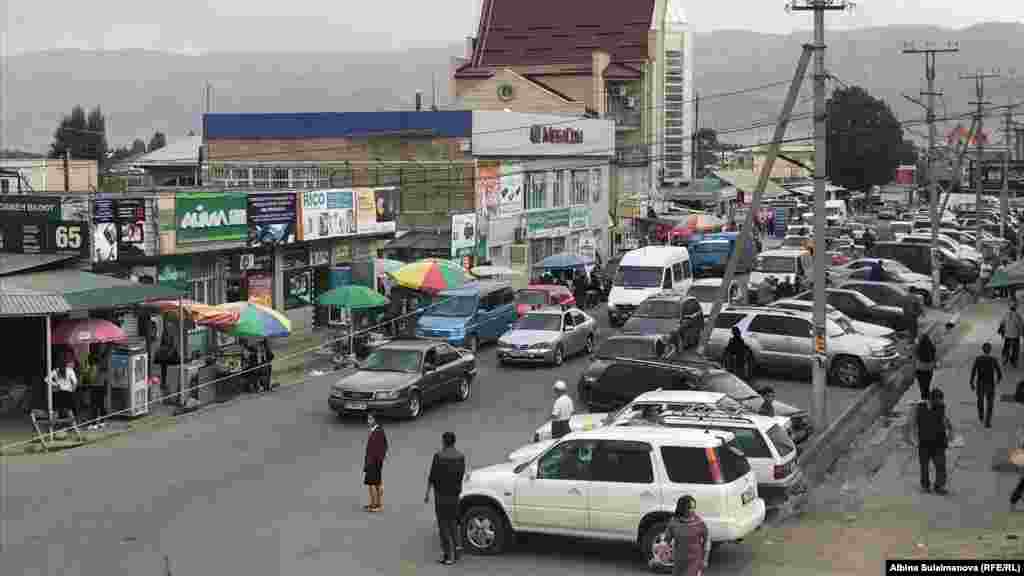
(142, 91)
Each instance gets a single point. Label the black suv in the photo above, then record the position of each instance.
(672, 314)
(612, 383)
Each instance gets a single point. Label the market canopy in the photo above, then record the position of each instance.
(87, 291)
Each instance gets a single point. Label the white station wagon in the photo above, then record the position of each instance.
(614, 483)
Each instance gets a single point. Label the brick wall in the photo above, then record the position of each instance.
(528, 97)
(334, 149)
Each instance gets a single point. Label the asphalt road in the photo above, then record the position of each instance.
(273, 485)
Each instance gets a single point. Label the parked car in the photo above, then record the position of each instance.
(593, 484)
(402, 377)
(645, 272)
(861, 308)
(548, 336)
(670, 313)
(708, 290)
(615, 383)
(917, 257)
(763, 439)
(789, 265)
(886, 294)
(783, 340)
(804, 302)
(537, 296)
(893, 272)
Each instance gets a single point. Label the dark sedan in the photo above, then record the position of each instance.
(860, 307)
(671, 314)
(402, 377)
(887, 294)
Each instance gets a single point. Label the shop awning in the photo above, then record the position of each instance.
(87, 291)
(420, 240)
(18, 302)
(13, 263)
(746, 181)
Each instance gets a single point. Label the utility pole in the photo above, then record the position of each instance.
(979, 116)
(695, 148)
(930, 176)
(67, 169)
(820, 363)
(1004, 196)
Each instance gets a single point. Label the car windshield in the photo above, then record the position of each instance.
(454, 306)
(783, 443)
(775, 264)
(547, 322)
(638, 277)
(639, 348)
(533, 297)
(726, 383)
(392, 360)
(658, 309)
(705, 293)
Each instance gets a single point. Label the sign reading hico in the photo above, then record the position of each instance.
(547, 135)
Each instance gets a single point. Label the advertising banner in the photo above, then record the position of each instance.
(211, 217)
(119, 229)
(260, 287)
(34, 225)
(272, 219)
(463, 235)
(326, 214)
(377, 210)
(298, 289)
(510, 194)
(548, 223)
(488, 185)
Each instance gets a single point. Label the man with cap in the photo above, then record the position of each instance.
(562, 411)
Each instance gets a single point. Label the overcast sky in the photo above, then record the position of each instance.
(362, 25)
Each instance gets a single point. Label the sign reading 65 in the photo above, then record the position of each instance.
(68, 237)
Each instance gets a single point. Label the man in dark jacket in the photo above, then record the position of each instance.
(986, 373)
(446, 473)
(932, 439)
(736, 354)
(579, 289)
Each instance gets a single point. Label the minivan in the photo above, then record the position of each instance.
(790, 265)
(645, 272)
(465, 317)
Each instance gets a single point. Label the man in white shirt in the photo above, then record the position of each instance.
(1012, 326)
(63, 383)
(561, 412)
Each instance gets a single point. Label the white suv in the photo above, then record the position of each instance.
(614, 483)
(763, 439)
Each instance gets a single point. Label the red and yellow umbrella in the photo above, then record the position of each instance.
(198, 313)
(431, 275)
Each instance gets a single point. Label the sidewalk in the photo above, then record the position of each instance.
(872, 508)
(294, 358)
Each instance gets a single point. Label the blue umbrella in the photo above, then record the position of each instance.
(564, 261)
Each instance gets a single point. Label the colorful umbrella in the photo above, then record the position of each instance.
(430, 275)
(251, 320)
(353, 297)
(564, 261)
(87, 331)
(489, 271)
(199, 313)
(388, 266)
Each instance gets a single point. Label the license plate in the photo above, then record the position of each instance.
(355, 405)
(748, 497)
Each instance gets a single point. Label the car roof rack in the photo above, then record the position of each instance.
(705, 412)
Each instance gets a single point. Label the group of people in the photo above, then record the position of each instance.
(586, 287)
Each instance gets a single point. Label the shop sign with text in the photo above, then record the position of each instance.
(548, 223)
(377, 210)
(271, 219)
(119, 229)
(35, 225)
(326, 214)
(555, 135)
(211, 217)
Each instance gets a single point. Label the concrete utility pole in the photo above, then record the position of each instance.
(958, 161)
(933, 185)
(979, 115)
(820, 364)
(1004, 196)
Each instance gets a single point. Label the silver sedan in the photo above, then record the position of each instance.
(548, 336)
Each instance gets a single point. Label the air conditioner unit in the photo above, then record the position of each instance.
(520, 235)
(621, 91)
(631, 102)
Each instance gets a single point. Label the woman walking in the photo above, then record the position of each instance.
(924, 359)
(376, 452)
(690, 543)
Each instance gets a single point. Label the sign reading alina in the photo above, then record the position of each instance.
(548, 135)
(211, 216)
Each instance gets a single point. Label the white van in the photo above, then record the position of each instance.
(645, 272)
(783, 265)
(835, 212)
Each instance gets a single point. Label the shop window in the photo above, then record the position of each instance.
(537, 192)
(580, 180)
(595, 185)
(558, 190)
(557, 245)
(261, 177)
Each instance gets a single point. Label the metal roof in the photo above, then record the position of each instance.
(447, 124)
(179, 152)
(83, 290)
(11, 263)
(28, 303)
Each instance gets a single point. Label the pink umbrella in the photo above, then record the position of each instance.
(88, 331)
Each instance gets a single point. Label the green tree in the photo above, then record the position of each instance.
(158, 141)
(865, 140)
(81, 133)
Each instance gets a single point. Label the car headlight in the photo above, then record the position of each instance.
(387, 395)
(540, 346)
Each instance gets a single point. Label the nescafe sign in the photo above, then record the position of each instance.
(548, 135)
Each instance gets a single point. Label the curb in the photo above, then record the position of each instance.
(822, 451)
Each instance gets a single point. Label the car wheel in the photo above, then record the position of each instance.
(484, 531)
(657, 548)
(848, 373)
(415, 406)
(473, 344)
(559, 355)
(462, 389)
(590, 344)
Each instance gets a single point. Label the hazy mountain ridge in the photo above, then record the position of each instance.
(143, 91)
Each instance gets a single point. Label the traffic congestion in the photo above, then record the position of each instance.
(628, 432)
